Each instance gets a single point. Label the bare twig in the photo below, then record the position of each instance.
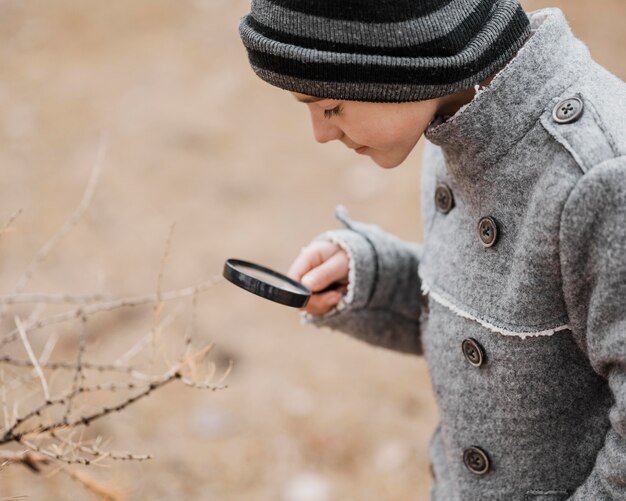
(86, 420)
(166, 253)
(32, 460)
(125, 302)
(191, 362)
(105, 493)
(13, 435)
(78, 374)
(132, 371)
(191, 325)
(145, 340)
(8, 224)
(28, 298)
(48, 348)
(5, 408)
(96, 452)
(10, 434)
(57, 454)
(67, 365)
(158, 305)
(33, 358)
(203, 386)
(70, 222)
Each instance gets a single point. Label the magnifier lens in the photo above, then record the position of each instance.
(268, 278)
(266, 283)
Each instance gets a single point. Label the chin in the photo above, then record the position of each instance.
(388, 162)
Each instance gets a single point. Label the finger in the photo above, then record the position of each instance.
(334, 269)
(322, 303)
(311, 256)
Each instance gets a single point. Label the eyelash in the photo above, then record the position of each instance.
(334, 112)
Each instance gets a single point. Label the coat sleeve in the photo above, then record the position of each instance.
(593, 260)
(382, 304)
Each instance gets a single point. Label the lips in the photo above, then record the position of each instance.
(361, 150)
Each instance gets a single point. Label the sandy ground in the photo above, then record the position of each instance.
(193, 138)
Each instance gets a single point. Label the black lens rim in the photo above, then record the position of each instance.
(263, 289)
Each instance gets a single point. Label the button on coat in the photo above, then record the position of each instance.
(488, 231)
(473, 352)
(444, 200)
(568, 110)
(476, 460)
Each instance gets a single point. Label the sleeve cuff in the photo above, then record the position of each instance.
(361, 278)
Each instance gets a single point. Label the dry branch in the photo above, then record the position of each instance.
(125, 302)
(33, 358)
(79, 376)
(44, 404)
(32, 460)
(28, 298)
(12, 434)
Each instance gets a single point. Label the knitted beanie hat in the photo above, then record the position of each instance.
(381, 50)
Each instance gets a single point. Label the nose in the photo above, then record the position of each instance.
(323, 129)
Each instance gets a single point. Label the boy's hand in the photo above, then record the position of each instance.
(320, 264)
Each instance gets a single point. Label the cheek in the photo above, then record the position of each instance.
(397, 140)
(400, 134)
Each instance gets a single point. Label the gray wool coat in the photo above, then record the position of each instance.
(517, 298)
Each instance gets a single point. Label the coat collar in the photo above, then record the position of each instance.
(486, 129)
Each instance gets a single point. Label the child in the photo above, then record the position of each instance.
(517, 298)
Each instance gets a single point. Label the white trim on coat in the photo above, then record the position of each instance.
(458, 311)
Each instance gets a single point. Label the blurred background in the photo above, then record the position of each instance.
(194, 138)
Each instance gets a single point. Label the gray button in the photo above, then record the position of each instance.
(443, 198)
(487, 231)
(476, 460)
(567, 111)
(473, 352)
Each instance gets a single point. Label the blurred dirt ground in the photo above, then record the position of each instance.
(194, 138)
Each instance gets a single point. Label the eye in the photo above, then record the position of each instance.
(333, 111)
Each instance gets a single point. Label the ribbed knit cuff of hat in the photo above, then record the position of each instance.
(371, 50)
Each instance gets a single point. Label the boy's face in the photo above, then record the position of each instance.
(386, 132)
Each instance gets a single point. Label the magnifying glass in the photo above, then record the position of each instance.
(269, 283)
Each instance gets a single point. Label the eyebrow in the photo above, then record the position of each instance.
(308, 100)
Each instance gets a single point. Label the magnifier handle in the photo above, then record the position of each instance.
(333, 286)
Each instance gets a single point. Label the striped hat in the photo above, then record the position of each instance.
(377, 50)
